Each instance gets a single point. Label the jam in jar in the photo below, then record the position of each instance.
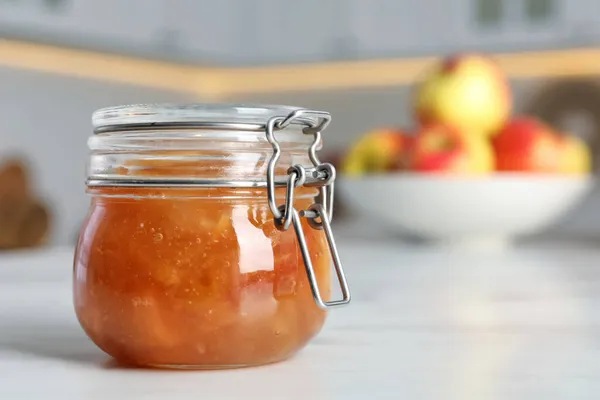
(208, 243)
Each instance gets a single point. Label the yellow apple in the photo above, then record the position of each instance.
(575, 156)
(378, 151)
(467, 91)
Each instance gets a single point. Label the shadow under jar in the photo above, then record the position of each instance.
(208, 243)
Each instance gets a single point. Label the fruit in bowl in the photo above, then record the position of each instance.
(468, 173)
(575, 157)
(379, 150)
(440, 148)
(451, 193)
(526, 144)
(467, 91)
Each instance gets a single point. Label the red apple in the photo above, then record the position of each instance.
(378, 151)
(526, 144)
(444, 149)
(468, 91)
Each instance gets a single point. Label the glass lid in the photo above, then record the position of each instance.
(229, 116)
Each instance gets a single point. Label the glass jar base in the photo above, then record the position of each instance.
(206, 367)
(200, 367)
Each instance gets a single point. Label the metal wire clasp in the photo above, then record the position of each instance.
(318, 215)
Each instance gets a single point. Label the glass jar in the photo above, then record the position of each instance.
(208, 242)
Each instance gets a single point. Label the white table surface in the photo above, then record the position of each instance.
(424, 324)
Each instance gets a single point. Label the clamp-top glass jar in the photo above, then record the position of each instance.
(208, 242)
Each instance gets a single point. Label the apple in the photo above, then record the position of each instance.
(526, 144)
(468, 91)
(379, 150)
(442, 148)
(575, 157)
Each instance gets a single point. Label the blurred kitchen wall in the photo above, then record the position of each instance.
(46, 118)
(262, 32)
(46, 115)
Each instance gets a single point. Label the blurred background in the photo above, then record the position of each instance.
(358, 59)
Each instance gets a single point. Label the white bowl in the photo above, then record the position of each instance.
(463, 210)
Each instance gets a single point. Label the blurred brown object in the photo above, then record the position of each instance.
(24, 219)
(13, 179)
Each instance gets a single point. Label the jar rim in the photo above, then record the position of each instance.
(180, 135)
(237, 116)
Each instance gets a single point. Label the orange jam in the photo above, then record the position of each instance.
(196, 280)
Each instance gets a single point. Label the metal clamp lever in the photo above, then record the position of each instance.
(286, 215)
(317, 211)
